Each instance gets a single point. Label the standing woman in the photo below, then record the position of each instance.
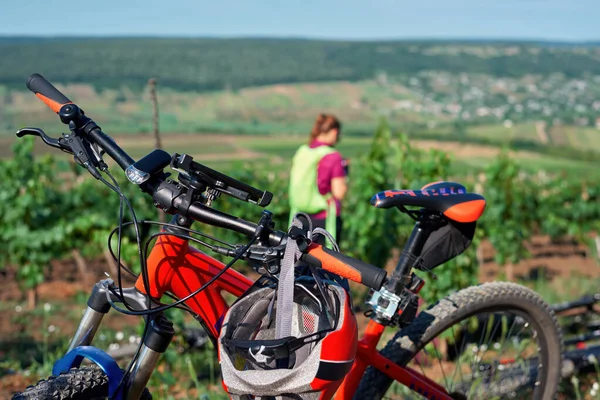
(318, 176)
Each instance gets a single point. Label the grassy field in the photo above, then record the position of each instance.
(280, 110)
(577, 137)
(268, 109)
(499, 133)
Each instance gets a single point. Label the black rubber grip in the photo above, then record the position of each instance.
(39, 85)
(343, 265)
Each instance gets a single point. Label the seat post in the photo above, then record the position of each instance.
(412, 250)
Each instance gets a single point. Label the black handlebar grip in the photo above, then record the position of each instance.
(46, 92)
(343, 265)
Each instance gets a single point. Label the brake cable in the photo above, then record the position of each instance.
(186, 298)
(124, 199)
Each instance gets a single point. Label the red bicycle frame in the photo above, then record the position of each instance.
(177, 267)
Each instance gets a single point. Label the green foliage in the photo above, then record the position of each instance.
(415, 168)
(520, 205)
(368, 233)
(42, 221)
(510, 217)
(568, 208)
(96, 213)
(29, 206)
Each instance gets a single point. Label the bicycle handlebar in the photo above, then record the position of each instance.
(111, 148)
(164, 195)
(56, 100)
(46, 92)
(343, 265)
(201, 213)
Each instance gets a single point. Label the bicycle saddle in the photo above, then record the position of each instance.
(449, 198)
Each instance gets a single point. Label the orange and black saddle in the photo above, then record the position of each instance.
(449, 198)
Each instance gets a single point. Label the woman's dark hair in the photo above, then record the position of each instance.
(323, 124)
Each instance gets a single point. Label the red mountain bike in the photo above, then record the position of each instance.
(494, 360)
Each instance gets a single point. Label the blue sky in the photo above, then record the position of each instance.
(340, 19)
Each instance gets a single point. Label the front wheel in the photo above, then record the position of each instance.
(495, 340)
(84, 383)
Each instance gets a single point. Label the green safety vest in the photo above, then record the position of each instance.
(304, 191)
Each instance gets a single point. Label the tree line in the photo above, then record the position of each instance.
(216, 64)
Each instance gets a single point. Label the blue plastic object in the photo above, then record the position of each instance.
(106, 363)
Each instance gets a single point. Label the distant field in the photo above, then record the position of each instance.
(275, 109)
(577, 137)
(499, 133)
(226, 151)
(271, 109)
(268, 123)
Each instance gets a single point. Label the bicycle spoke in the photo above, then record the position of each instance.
(525, 325)
(492, 326)
(486, 338)
(462, 378)
(511, 374)
(525, 364)
(496, 325)
(418, 361)
(479, 345)
(508, 335)
(441, 365)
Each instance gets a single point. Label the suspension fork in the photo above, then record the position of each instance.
(159, 334)
(98, 306)
(156, 341)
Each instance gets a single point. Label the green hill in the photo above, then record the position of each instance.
(214, 64)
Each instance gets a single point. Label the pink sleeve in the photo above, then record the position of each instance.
(331, 166)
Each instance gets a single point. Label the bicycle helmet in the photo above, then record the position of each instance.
(309, 362)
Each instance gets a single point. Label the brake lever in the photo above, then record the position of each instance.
(59, 143)
(38, 132)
